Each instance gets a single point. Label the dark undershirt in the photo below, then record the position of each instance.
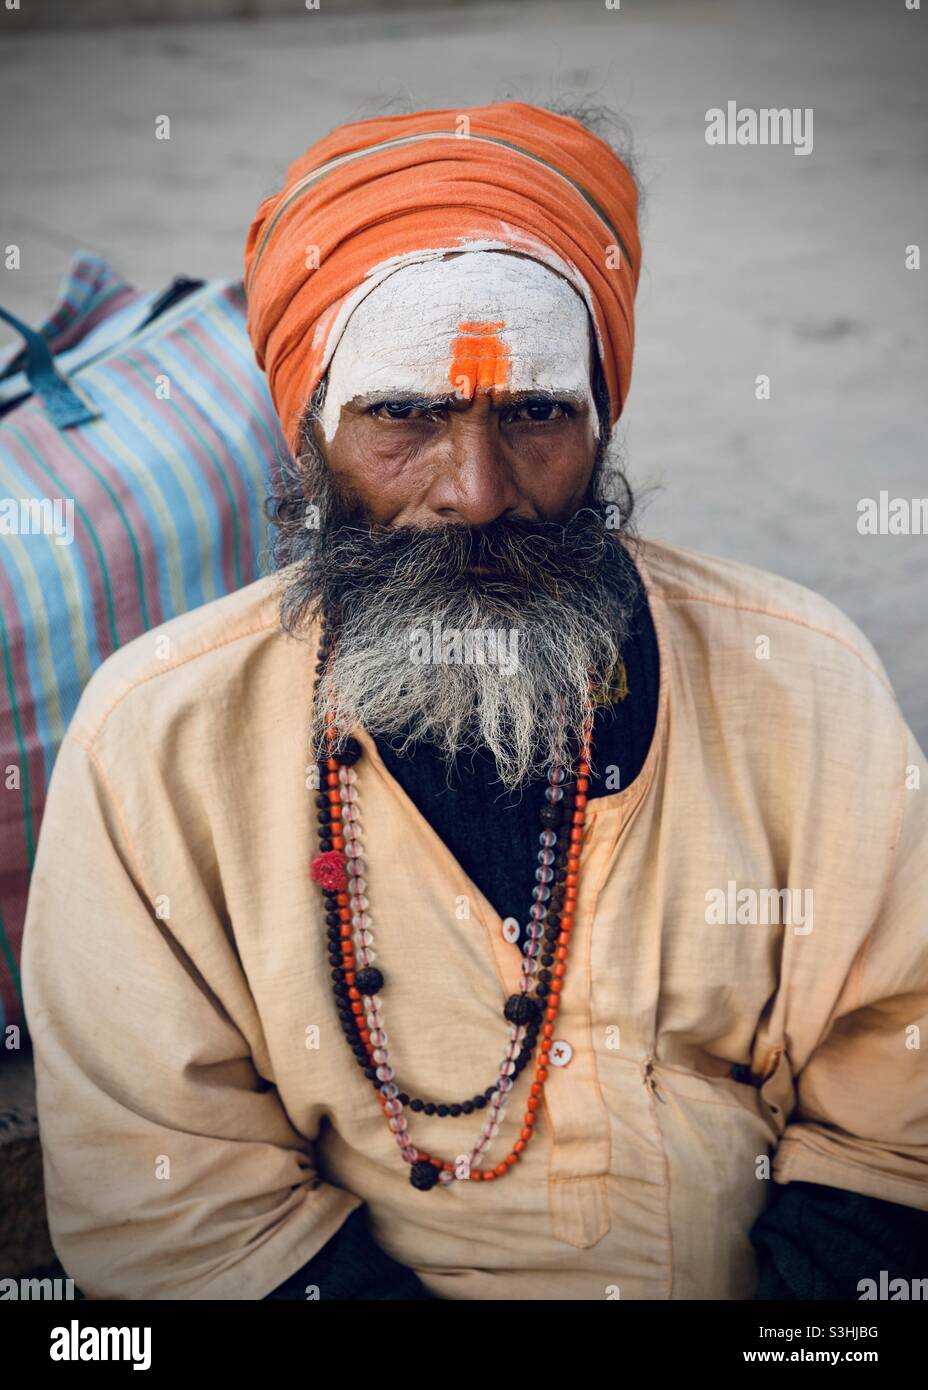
(811, 1241)
(494, 834)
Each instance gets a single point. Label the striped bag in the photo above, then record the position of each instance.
(137, 440)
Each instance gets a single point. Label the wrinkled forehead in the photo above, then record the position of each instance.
(477, 321)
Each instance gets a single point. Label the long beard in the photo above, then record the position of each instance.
(426, 649)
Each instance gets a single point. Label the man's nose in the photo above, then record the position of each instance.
(474, 482)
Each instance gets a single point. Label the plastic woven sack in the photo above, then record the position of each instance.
(137, 440)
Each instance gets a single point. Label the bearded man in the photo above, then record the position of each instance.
(488, 904)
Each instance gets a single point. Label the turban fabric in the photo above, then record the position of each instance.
(374, 194)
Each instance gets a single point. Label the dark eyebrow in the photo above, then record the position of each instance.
(501, 398)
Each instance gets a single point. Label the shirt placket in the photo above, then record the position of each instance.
(575, 1119)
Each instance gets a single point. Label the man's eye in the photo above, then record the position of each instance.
(541, 411)
(397, 410)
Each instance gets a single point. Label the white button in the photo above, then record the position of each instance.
(561, 1053)
(511, 929)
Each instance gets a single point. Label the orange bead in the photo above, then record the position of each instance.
(583, 784)
(511, 1159)
(570, 880)
(559, 972)
(535, 1088)
(557, 985)
(548, 1031)
(531, 1103)
(559, 954)
(488, 1174)
(475, 1175)
(519, 1146)
(501, 1170)
(525, 1135)
(541, 1074)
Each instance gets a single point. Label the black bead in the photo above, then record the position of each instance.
(429, 1108)
(403, 1098)
(551, 816)
(480, 1102)
(442, 1110)
(468, 1107)
(415, 1105)
(350, 754)
(520, 1009)
(454, 1110)
(423, 1175)
(369, 980)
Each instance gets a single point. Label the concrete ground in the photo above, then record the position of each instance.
(757, 260)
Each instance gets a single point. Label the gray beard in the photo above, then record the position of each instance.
(428, 651)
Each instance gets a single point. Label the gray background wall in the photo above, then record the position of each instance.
(756, 260)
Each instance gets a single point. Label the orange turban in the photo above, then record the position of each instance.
(508, 176)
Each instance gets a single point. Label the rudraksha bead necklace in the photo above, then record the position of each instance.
(340, 870)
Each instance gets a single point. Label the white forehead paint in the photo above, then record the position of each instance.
(475, 320)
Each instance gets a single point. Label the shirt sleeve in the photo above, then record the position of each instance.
(171, 1168)
(861, 1116)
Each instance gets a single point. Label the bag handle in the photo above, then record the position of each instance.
(66, 406)
(66, 403)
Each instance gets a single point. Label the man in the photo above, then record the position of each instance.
(490, 905)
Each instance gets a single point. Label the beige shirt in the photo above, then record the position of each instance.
(205, 1128)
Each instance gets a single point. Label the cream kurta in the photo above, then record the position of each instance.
(198, 1145)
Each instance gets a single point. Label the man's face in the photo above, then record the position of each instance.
(456, 464)
(460, 393)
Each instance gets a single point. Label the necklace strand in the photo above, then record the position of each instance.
(340, 869)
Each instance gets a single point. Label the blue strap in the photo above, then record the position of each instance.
(65, 405)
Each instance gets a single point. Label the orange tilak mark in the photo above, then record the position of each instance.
(479, 359)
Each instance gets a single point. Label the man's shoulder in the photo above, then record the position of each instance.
(709, 586)
(189, 659)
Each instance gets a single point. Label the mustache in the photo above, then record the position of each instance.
(541, 555)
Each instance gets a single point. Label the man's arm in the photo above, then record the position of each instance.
(171, 1168)
(852, 1165)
